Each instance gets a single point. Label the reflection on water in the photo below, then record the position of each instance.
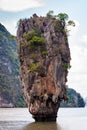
(16, 125)
(12, 125)
(43, 126)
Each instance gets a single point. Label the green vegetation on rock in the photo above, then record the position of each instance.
(31, 34)
(34, 67)
(66, 65)
(63, 18)
(35, 42)
(50, 14)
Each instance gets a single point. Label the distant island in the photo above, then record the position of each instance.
(10, 90)
(74, 99)
(85, 101)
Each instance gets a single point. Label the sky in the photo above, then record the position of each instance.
(13, 10)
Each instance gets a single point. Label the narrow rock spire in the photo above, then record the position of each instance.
(44, 59)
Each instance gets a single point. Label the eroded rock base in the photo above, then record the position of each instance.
(45, 118)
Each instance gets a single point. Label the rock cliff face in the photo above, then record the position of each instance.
(10, 93)
(44, 59)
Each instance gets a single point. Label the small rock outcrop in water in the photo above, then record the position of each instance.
(44, 59)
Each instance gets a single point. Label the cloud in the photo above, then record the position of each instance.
(73, 31)
(84, 38)
(10, 26)
(77, 76)
(19, 5)
(78, 82)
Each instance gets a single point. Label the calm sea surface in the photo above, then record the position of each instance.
(20, 119)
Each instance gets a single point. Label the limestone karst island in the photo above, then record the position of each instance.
(44, 61)
(10, 90)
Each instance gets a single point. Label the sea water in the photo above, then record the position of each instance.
(21, 119)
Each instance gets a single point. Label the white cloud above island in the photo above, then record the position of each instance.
(19, 5)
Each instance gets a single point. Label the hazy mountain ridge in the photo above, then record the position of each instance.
(10, 92)
(74, 99)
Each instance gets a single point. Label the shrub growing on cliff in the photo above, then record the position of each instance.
(31, 34)
(63, 17)
(34, 67)
(33, 56)
(67, 65)
(70, 22)
(50, 14)
(43, 53)
(37, 67)
(35, 42)
(34, 39)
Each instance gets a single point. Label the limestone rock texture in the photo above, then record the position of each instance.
(44, 61)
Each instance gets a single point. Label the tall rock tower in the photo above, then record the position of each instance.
(44, 61)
